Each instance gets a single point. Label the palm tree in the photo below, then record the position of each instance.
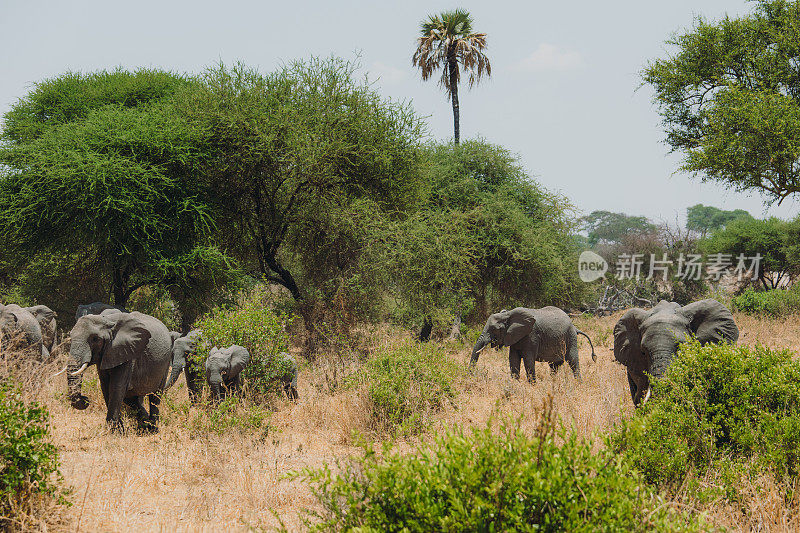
(445, 41)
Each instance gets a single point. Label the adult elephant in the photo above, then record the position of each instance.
(46, 318)
(183, 349)
(96, 308)
(646, 341)
(545, 334)
(19, 324)
(132, 352)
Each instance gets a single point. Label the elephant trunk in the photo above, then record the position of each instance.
(81, 354)
(659, 362)
(480, 344)
(174, 373)
(215, 383)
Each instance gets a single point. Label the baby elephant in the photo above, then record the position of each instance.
(545, 334)
(223, 369)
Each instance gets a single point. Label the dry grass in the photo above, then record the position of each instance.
(185, 479)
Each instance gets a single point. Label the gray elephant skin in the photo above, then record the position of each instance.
(646, 341)
(545, 334)
(46, 318)
(224, 368)
(184, 348)
(96, 308)
(16, 321)
(132, 352)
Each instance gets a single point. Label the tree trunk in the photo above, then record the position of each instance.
(452, 65)
(427, 328)
(119, 285)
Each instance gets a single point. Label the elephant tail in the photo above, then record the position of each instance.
(594, 357)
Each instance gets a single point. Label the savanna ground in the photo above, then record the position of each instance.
(193, 476)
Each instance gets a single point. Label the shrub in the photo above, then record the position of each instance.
(717, 405)
(257, 328)
(487, 480)
(408, 382)
(28, 462)
(776, 302)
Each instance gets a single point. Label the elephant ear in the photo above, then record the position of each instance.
(239, 359)
(710, 321)
(519, 323)
(42, 313)
(628, 336)
(129, 338)
(175, 335)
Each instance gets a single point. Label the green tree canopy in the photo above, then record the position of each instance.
(771, 238)
(728, 96)
(290, 152)
(490, 237)
(101, 166)
(705, 218)
(607, 227)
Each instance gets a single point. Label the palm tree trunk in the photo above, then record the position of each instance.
(452, 64)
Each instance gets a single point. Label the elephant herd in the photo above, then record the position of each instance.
(138, 358)
(645, 341)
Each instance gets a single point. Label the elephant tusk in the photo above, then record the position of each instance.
(646, 396)
(61, 371)
(80, 370)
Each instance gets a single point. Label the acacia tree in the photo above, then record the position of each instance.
(487, 237)
(607, 227)
(772, 238)
(447, 44)
(291, 151)
(97, 169)
(705, 218)
(730, 99)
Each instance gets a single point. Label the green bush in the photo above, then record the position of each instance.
(488, 480)
(717, 405)
(406, 383)
(28, 462)
(776, 302)
(263, 332)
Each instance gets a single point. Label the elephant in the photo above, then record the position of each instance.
(647, 340)
(132, 352)
(46, 318)
(223, 369)
(183, 348)
(96, 308)
(289, 378)
(545, 334)
(18, 321)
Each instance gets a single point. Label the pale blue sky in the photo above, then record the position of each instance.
(563, 92)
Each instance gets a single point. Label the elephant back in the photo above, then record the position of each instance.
(151, 369)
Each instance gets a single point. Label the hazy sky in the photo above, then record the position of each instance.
(563, 94)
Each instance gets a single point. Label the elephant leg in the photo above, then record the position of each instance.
(103, 378)
(290, 388)
(119, 378)
(136, 404)
(574, 360)
(155, 400)
(194, 380)
(554, 367)
(572, 357)
(530, 366)
(514, 361)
